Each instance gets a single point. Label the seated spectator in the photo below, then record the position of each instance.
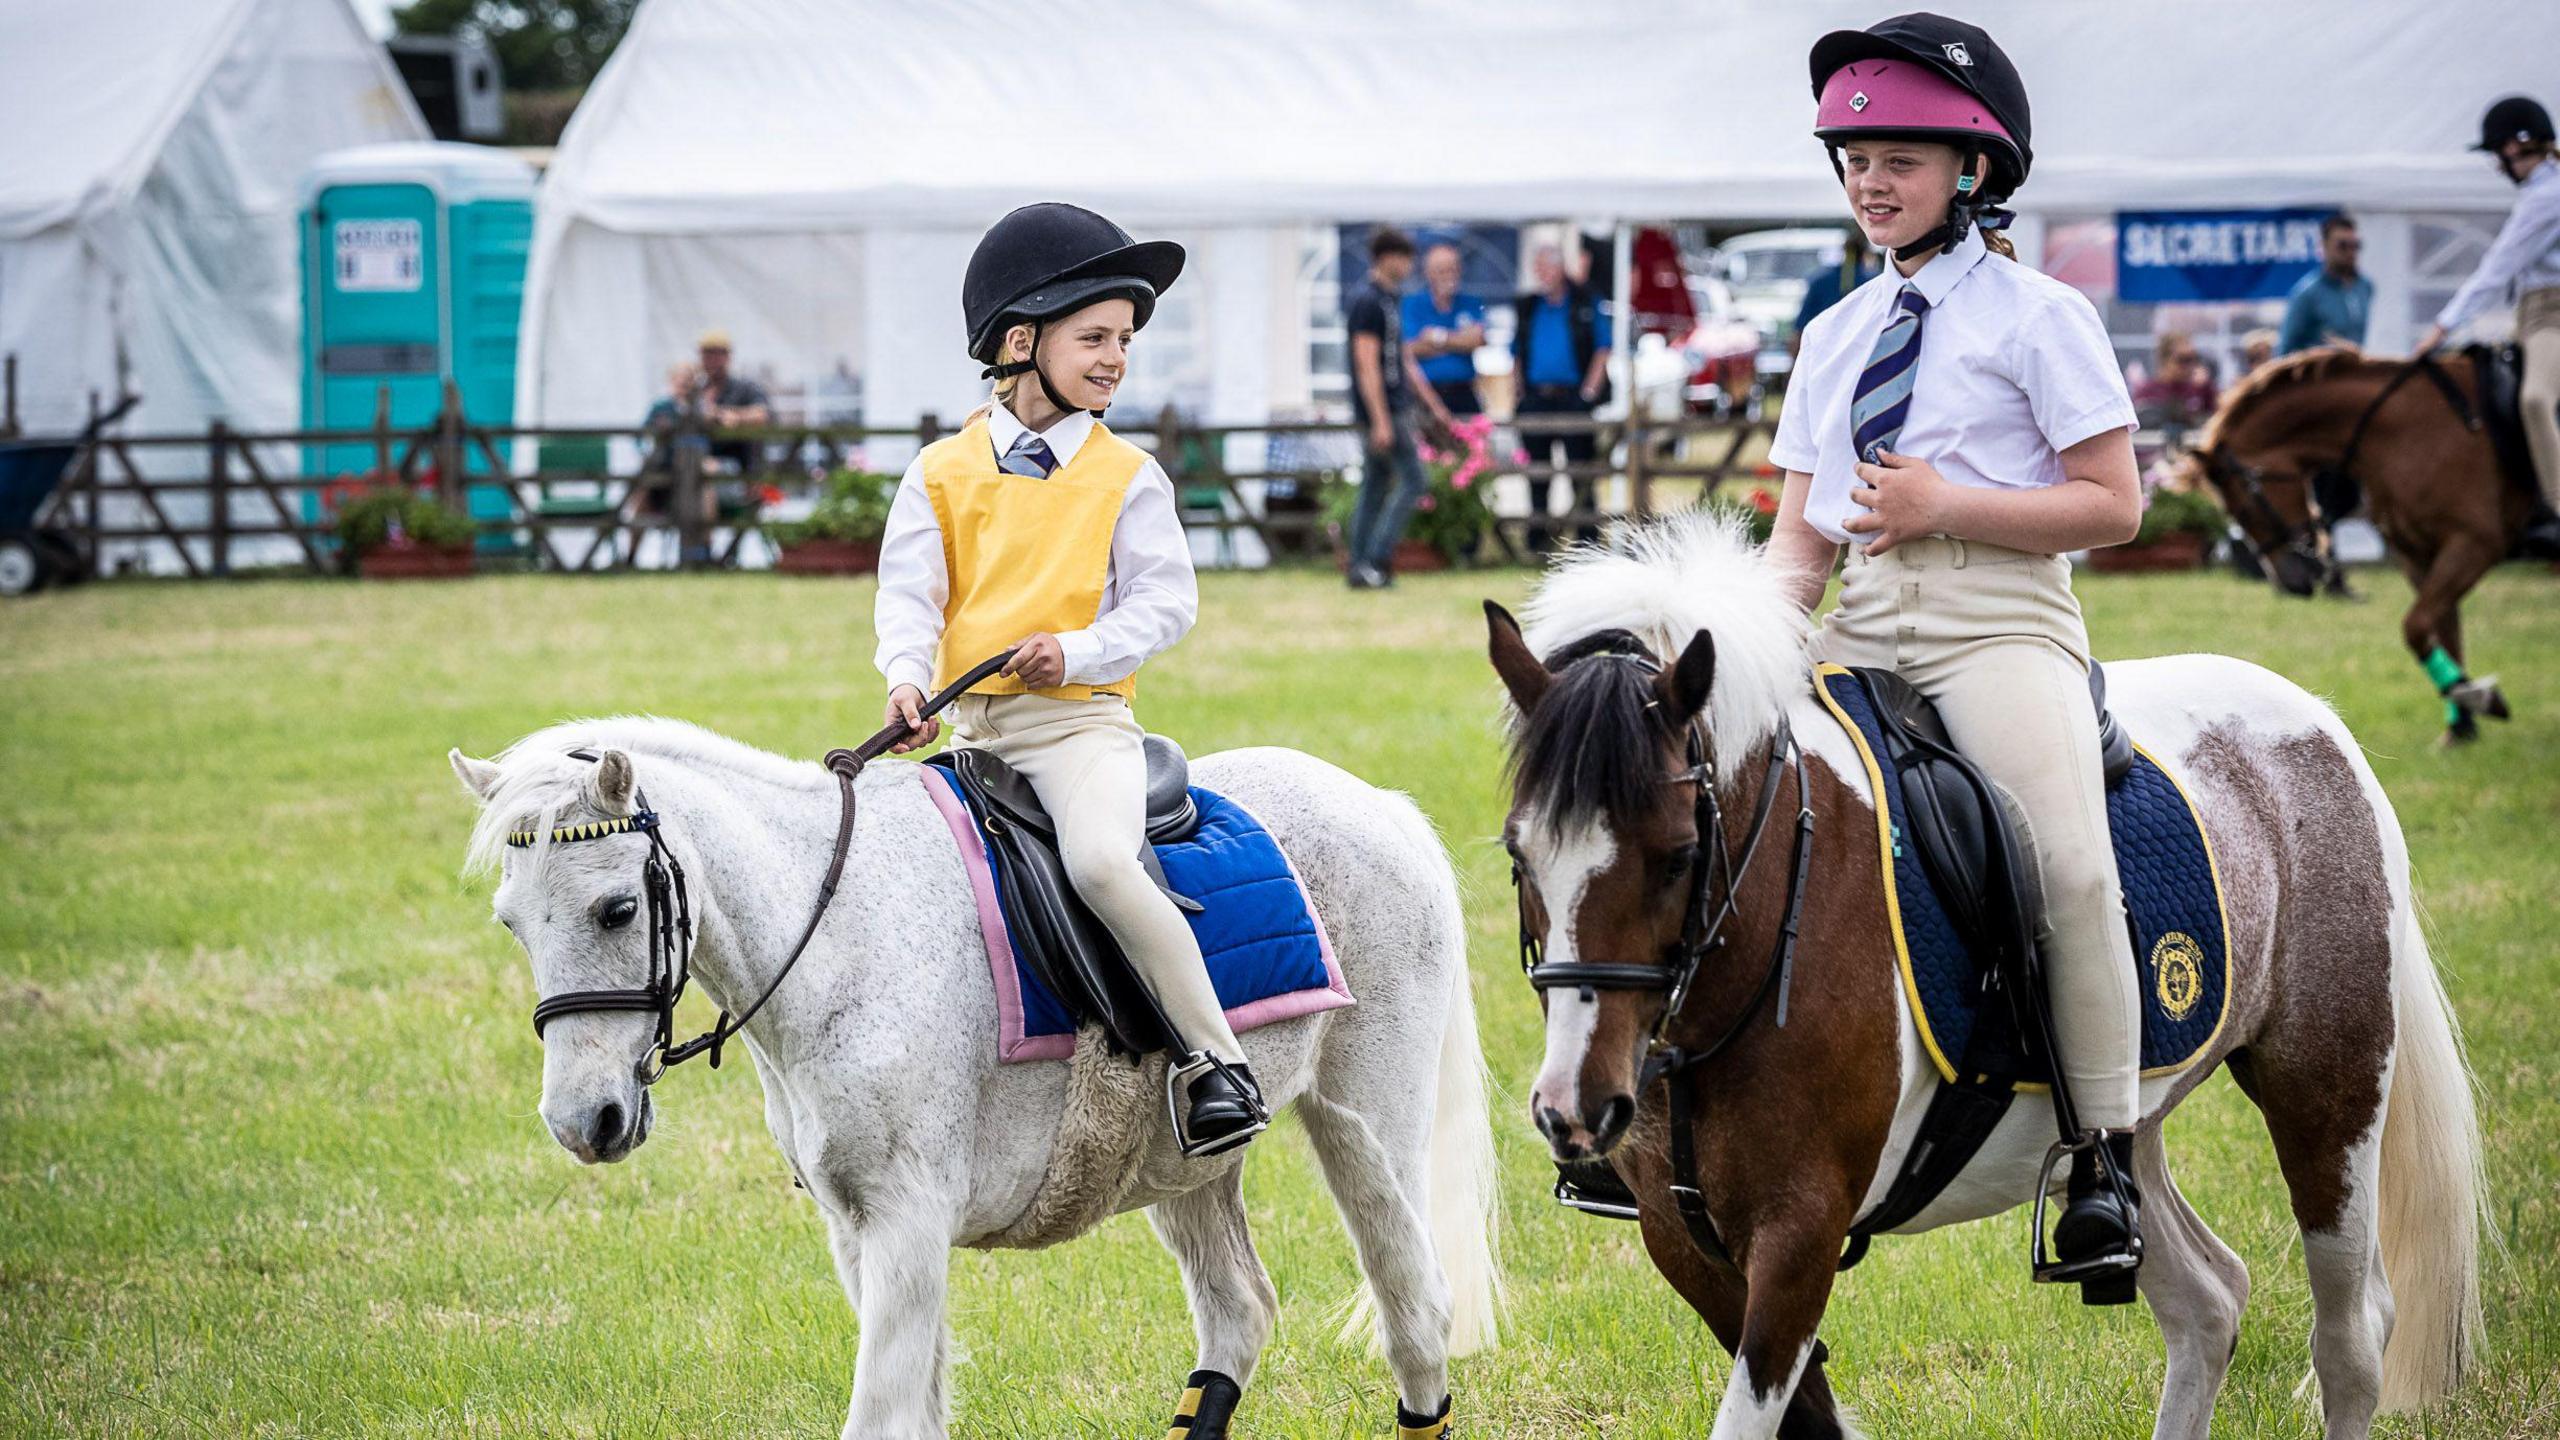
(2257, 348)
(722, 400)
(1443, 328)
(2179, 393)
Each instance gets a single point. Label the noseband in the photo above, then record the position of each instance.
(671, 909)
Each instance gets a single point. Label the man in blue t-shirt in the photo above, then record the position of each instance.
(1560, 354)
(2332, 304)
(1443, 328)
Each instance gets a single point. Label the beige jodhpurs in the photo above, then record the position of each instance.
(1087, 761)
(1994, 638)
(2538, 335)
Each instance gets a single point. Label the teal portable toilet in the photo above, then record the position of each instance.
(413, 262)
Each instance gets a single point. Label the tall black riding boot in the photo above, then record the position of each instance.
(2098, 1240)
(2541, 537)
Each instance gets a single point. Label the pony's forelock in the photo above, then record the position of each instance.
(1665, 582)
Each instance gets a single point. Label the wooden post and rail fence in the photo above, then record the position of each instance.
(570, 509)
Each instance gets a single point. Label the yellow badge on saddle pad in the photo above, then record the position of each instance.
(2179, 962)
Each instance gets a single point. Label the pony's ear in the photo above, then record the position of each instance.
(1683, 687)
(612, 785)
(477, 776)
(1522, 675)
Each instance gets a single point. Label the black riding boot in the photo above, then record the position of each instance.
(2099, 1237)
(1226, 1110)
(2541, 538)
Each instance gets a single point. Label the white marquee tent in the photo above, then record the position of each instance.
(147, 197)
(810, 174)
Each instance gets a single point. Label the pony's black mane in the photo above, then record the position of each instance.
(1589, 751)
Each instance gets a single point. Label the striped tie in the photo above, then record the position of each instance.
(1883, 399)
(1029, 456)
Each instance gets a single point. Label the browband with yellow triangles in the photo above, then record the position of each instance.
(639, 823)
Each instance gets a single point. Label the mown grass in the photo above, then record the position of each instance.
(269, 1163)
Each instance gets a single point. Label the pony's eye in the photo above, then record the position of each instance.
(1683, 858)
(618, 912)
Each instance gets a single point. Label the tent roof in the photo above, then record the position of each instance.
(834, 114)
(103, 85)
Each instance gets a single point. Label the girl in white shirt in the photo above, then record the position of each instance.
(1037, 530)
(1958, 423)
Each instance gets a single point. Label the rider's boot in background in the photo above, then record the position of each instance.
(2541, 538)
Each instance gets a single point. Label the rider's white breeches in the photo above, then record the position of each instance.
(1087, 760)
(1994, 638)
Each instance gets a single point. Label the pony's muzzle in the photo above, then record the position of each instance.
(1590, 1135)
(605, 1133)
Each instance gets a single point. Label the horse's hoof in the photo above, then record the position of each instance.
(2456, 736)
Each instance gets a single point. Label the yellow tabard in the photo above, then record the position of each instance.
(1025, 554)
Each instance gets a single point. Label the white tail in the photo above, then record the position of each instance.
(1465, 1190)
(2432, 1187)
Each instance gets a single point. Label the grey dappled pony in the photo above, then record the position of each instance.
(877, 1054)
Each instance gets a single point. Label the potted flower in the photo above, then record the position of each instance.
(2178, 527)
(396, 533)
(841, 534)
(1756, 508)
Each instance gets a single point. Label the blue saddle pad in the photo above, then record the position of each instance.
(1267, 952)
(2181, 944)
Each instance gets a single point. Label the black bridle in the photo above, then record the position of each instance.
(670, 908)
(1714, 886)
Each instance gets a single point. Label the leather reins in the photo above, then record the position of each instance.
(1715, 884)
(670, 908)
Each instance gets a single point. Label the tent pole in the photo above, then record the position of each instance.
(1622, 333)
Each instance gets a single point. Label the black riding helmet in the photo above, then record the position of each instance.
(1967, 57)
(2518, 117)
(1043, 261)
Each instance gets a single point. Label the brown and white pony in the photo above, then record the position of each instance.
(2291, 446)
(2338, 1027)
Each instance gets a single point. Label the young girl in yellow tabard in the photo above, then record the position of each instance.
(1037, 529)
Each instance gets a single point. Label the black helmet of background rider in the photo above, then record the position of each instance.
(1926, 77)
(2518, 119)
(1044, 261)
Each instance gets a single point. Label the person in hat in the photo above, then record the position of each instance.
(1036, 529)
(1958, 423)
(2524, 259)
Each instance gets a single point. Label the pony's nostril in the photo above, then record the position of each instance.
(1614, 1119)
(607, 1128)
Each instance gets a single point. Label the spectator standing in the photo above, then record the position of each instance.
(2525, 260)
(2179, 393)
(2331, 305)
(1443, 328)
(1560, 351)
(1384, 384)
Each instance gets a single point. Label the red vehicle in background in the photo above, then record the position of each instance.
(1694, 315)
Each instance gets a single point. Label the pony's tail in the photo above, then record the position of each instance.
(2432, 1187)
(1465, 1183)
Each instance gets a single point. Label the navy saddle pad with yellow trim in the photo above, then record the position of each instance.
(2180, 943)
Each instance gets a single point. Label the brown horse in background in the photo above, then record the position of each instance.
(2293, 444)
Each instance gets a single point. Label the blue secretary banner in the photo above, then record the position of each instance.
(2215, 254)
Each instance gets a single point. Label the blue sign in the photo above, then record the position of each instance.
(2215, 254)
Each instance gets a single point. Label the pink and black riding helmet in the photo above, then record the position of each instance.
(1926, 77)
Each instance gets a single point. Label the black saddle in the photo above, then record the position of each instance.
(2498, 372)
(1056, 936)
(1968, 839)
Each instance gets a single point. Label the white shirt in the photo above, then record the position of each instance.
(1150, 597)
(2014, 369)
(2526, 253)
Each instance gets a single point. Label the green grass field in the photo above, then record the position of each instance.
(269, 1163)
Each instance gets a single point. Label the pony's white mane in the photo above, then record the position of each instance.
(1669, 580)
(539, 781)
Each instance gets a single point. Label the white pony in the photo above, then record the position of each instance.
(878, 1057)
